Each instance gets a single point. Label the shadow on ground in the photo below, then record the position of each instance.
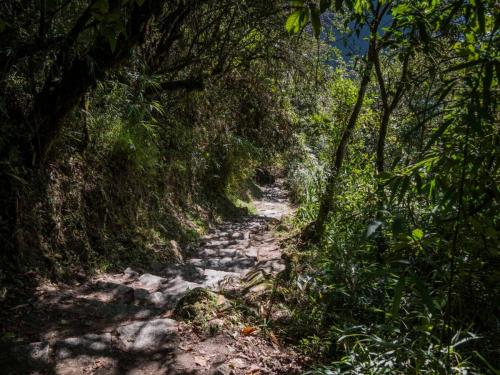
(122, 323)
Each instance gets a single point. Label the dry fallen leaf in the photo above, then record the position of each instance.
(254, 370)
(221, 300)
(237, 363)
(274, 339)
(248, 330)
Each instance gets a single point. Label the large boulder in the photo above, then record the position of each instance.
(152, 282)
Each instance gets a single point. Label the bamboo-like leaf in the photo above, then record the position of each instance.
(425, 295)
(398, 294)
(296, 21)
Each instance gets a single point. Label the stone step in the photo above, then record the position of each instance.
(147, 336)
(220, 243)
(231, 264)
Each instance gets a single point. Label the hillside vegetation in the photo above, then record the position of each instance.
(129, 129)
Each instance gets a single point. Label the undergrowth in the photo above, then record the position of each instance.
(374, 296)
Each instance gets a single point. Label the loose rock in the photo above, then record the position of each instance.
(152, 281)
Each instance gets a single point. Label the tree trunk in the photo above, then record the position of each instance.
(381, 140)
(8, 218)
(388, 107)
(315, 233)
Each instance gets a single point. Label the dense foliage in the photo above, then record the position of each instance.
(124, 126)
(401, 196)
(128, 124)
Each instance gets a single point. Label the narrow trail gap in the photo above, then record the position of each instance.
(124, 323)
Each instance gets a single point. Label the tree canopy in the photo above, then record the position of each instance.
(126, 124)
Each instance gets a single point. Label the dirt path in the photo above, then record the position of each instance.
(164, 323)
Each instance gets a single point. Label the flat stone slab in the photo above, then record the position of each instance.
(192, 271)
(146, 336)
(90, 344)
(227, 252)
(152, 281)
(253, 252)
(230, 264)
(213, 278)
(220, 243)
(130, 273)
(271, 267)
(209, 253)
(197, 262)
(158, 299)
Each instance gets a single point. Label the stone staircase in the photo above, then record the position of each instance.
(122, 323)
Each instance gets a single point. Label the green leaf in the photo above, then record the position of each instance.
(438, 133)
(112, 39)
(423, 290)
(400, 10)
(398, 294)
(360, 6)
(384, 176)
(417, 234)
(493, 369)
(403, 188)
(296, 21)
(8, 335)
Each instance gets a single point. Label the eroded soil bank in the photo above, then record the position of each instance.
(178, 319)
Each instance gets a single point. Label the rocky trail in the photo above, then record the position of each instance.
(178, 320)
